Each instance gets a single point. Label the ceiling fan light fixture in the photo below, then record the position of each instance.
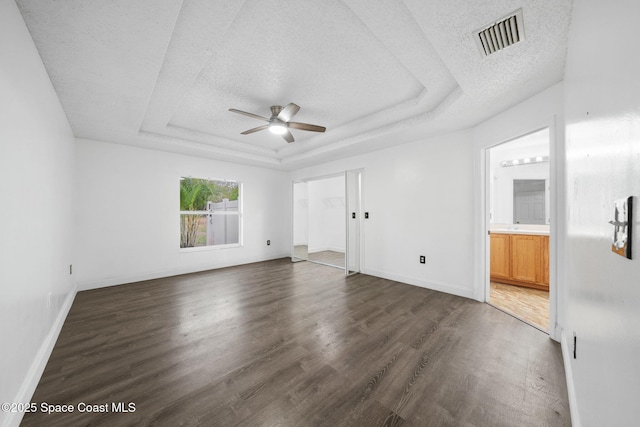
(280, 122)
(277, 128)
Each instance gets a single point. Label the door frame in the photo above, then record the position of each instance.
(358, 223)
(556, 223)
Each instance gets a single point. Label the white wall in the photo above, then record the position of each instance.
(128, 214)
(602, 102)
(36, 218)
(327, 223)
(420, 199)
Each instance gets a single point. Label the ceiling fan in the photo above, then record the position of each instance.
(279, 122)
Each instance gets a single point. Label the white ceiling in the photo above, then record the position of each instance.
(162, 74)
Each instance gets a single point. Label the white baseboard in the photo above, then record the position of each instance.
(567, 350)
(36, 369)
(85, 285)
(434, 285)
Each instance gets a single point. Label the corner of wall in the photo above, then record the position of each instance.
(39, 363)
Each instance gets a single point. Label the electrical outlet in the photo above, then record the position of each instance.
(423, 259)
(70, 268)
(366, 215)
(268, 242)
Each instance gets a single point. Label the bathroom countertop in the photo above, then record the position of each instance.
(518, 231)
(537, 230)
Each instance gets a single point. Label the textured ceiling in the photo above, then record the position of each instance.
(163, 73)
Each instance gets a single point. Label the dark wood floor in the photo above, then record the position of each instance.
(298, 344)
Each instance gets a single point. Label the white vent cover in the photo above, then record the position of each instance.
(502, 34)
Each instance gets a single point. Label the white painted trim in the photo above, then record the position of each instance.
(485, 170)
(210, 248)
(292, 214)
(555, 227)
(363, 209)
(31, 380)
(568, 373)
(359, 224)
(458, 290)
(132, 278)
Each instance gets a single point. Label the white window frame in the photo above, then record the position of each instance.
(238, 213)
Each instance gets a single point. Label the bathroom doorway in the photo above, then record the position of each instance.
(519, 191)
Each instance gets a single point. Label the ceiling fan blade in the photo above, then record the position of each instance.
(247, 132)
(288, 137)
(244, 113)
(288, 112)
(306, 126)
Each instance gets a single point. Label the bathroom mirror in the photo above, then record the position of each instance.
(519, 181)
(529, 196)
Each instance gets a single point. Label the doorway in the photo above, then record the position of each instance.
(327, 221)
(519, 188)
(318, 221)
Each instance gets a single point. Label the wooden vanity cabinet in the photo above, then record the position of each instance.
(545, 261)
(520, 259)
(500, 256)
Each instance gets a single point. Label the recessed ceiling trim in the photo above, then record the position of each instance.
(188, 61)
(185, 146)
(179, 132)
(501, 34)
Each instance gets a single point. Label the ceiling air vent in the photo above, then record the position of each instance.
(502, 34)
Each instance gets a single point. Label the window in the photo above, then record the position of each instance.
(210, 212)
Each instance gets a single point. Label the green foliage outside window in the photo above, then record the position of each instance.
(194, 195)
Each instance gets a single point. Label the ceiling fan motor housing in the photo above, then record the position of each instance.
(275, 110)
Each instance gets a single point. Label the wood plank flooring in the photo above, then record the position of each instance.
(530, 305)
(298, 344)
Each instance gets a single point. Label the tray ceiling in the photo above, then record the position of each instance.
(162, 74)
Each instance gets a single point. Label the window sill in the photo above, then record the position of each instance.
(209, 248)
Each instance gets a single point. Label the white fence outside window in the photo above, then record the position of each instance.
(223, 225)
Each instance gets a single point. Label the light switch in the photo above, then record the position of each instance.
(622, 223)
